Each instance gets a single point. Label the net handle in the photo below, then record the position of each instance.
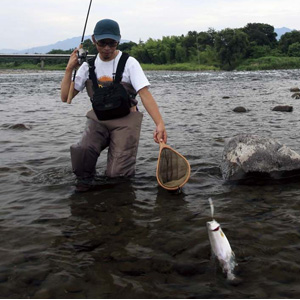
(162, 146)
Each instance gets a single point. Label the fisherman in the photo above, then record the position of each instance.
(119, 134)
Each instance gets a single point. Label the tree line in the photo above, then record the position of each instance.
(226, 48)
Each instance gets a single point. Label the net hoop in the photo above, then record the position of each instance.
(181, 182)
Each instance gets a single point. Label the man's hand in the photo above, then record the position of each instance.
(160, 134)
(73, 61)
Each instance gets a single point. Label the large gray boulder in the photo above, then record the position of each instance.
(251, 156)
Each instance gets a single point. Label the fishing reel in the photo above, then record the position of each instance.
(82, 55)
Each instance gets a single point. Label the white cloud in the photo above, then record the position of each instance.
(32, 23)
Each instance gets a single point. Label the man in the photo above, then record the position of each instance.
(121, 135)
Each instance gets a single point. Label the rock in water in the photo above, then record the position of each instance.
(296, 96)
(294, 89)
(240, 109)
(251, 156)
(286, 108)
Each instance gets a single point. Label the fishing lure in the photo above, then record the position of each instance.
(220, 245)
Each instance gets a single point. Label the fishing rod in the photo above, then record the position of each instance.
(82, 55)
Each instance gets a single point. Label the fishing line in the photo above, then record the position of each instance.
(211, 207)
(194, 173)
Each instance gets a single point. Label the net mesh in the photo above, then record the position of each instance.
(173, 170)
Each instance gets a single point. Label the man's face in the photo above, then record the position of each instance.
(106, 48)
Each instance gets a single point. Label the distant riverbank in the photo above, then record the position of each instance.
(257, 64)
(262, 63)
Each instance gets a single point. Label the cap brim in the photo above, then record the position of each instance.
(107, 36)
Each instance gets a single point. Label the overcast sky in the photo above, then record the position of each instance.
(32, 23)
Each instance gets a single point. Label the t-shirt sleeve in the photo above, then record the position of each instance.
(81, 77)
(137, 76)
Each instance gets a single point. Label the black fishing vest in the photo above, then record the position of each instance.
(113, 101)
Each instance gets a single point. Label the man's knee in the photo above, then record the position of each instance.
(121, 165)
(84, 159)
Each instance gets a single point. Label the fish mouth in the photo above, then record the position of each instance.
(216, 229)
(213, 225)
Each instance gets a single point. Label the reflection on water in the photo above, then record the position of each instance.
(130, 238)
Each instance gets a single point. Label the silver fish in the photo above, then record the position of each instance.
(220, 245)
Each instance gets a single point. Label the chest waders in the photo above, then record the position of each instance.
(120, 134)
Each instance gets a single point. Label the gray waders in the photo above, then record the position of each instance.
(120, 135)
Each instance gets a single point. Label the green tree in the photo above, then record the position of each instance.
(231, 46)
(259, 51)
(89, 46)
(60, 51)
(180, 53)
(294, 50)
(288, 39)
(152, 48)
(126, 47)
(205, 39)
(169, 43)
(261, 34)
(140, 53)
(165, 54)
(208, 56)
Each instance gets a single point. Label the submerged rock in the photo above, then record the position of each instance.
(285, 108)
(20, 127)
(240, 109)
(294, 89)
(296, 96)
(251, 156)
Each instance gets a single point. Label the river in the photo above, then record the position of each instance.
(130, 238)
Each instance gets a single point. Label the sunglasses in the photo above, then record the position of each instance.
(103, 43)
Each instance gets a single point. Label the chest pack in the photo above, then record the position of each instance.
(112, 101)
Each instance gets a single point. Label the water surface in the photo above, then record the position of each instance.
(131, 239)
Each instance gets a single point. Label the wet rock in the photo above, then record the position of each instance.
(296, 96)
(285, 108)
(20, 127)
(294, 89)
(240, 109)
(247, 154)
(225, 97)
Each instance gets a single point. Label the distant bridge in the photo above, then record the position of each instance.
(42, 57)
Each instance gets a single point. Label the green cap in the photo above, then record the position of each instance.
(107, 29)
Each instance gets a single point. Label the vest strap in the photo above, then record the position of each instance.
(119, 72)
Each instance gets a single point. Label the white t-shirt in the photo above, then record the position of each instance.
(133, 72)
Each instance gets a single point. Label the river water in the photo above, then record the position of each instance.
(131, 239)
